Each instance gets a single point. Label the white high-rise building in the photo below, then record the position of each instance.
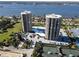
(26, 21)
(53, 22)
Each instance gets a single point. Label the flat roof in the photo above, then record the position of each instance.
(26, 12)
(39, 27)
(53, 15)
(54, 50)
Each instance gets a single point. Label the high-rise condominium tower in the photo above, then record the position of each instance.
(26, 21)
(53, 22)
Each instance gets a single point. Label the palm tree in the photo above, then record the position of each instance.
(72, 39)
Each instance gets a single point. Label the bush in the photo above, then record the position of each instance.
(24, 46)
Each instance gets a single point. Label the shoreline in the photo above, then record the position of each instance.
(75, 16)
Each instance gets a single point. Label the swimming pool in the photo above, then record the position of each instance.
(38, 29)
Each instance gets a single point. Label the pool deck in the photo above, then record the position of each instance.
(43, 34)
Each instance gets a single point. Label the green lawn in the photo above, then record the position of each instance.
(17, 28)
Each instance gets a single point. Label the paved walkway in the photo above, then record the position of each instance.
(15, 52)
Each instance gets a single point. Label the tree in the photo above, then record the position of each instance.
(28, 43)
(20, 37)
(1, 44)
(15, 18)
(72, 42)
(15, 41)
(1, 17)
(38, 50)
(24, 46)
(24, 55)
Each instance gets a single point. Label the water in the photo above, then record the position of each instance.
(38, 30)
(39, 10)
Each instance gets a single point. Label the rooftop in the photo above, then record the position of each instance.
(53, 16)
(54, 50)
(26, 12)
(39, 27)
